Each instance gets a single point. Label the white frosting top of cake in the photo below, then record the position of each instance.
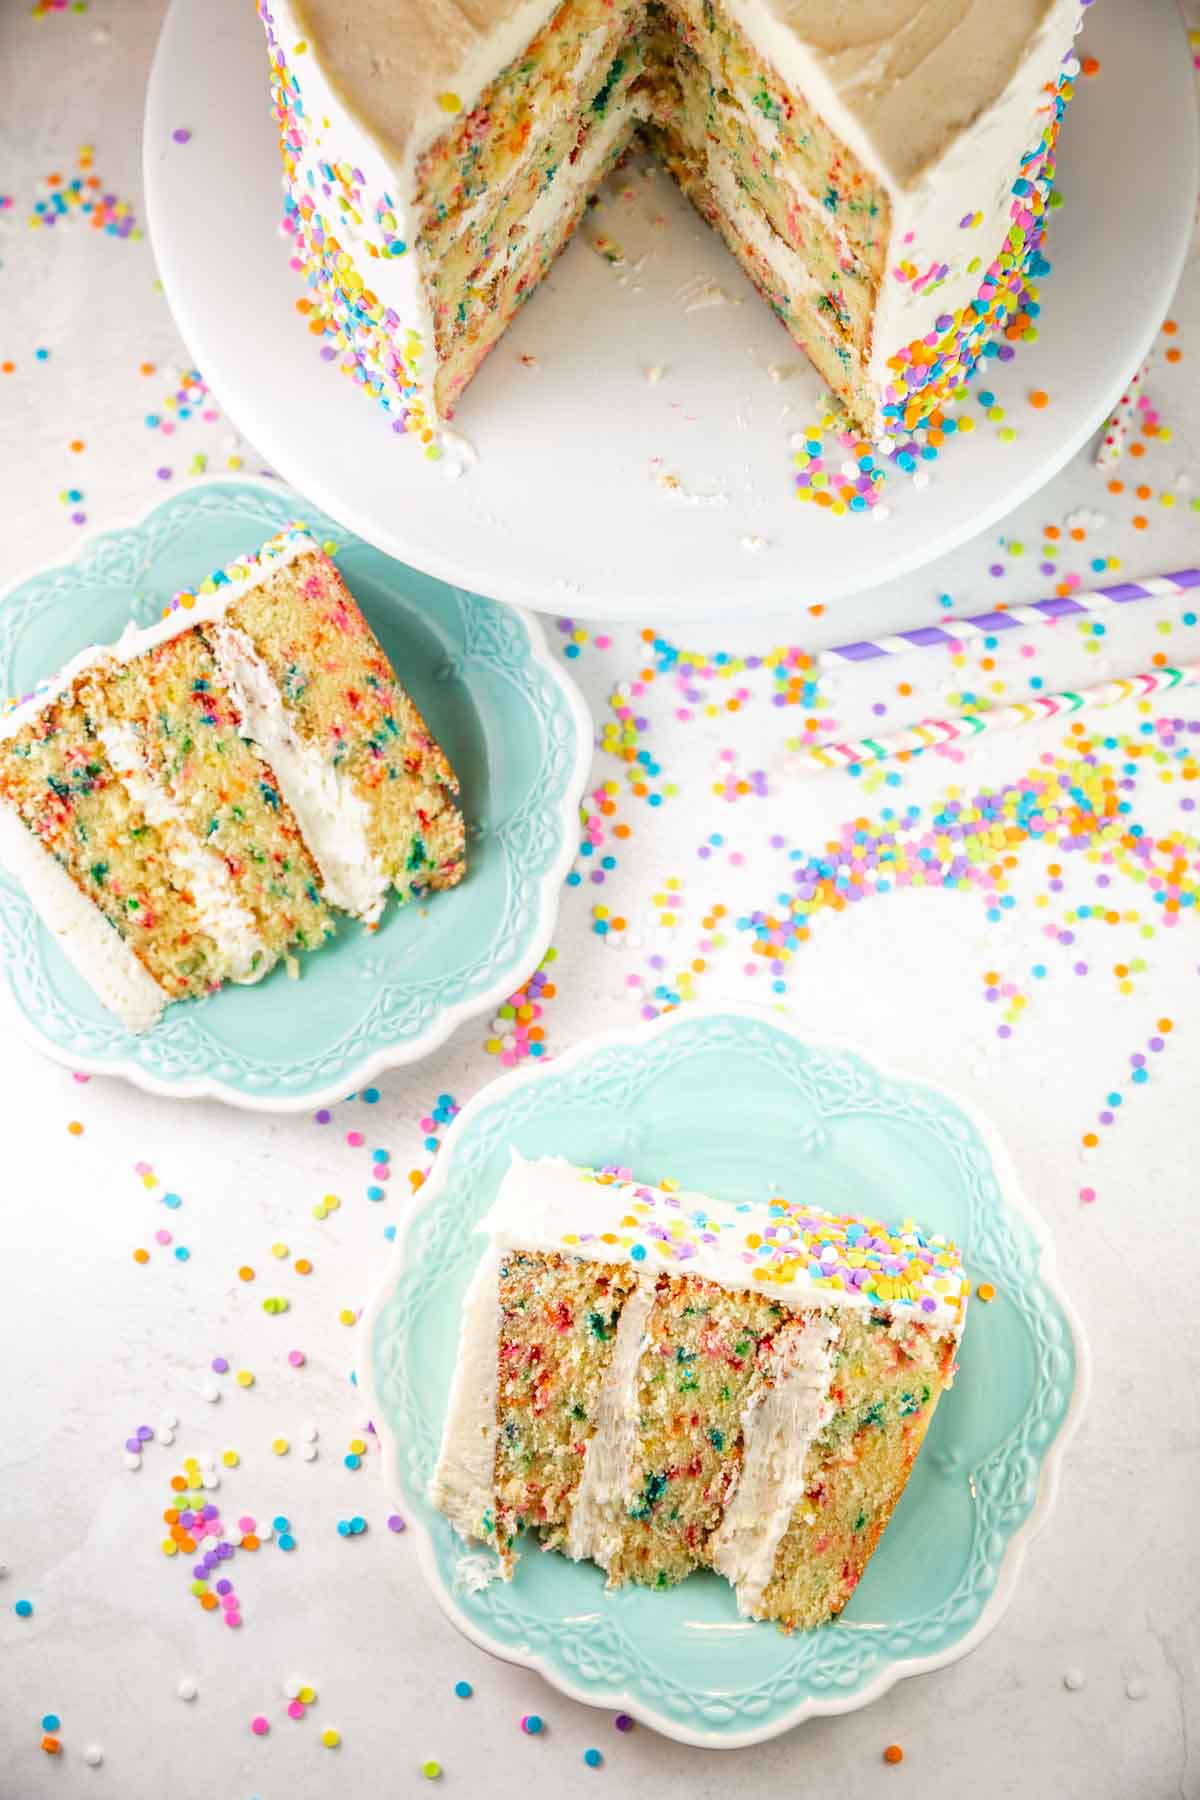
(795, 1252)
(897, 79)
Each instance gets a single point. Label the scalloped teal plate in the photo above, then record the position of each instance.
(514, 728)
(737, 1104)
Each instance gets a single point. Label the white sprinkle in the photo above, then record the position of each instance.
(168, 1420)
(264, 1533)
(1073, 1680)
(881, 514)
(920, 479)
(187, 1689)
(309, 1434)
(753, 543)
(165, 1437)
(291, 1687)
(1135, 1688)
(93, 1756)
(210, 1391)
(210, 1479)
(132, 1460)
(308, 1452)
(102, 35)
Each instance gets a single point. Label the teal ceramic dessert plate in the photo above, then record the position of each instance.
(514, 727)
(737, 1104)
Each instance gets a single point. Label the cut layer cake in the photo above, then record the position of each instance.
(660, 1382)
(882, 171)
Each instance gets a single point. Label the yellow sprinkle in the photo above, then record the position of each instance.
(307, 1696)
(345, 1317)
(170, 1547)
(280, 1446)
(244, 1378)
(280, 1250)
(358, 1446)
(231, 1459)
(449, 103)
(331, 1738)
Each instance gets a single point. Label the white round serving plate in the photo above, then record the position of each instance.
(597, 491)
(720, 1095)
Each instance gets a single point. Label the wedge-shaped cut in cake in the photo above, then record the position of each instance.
(882, 170)
(187, 806)
(659, 1382)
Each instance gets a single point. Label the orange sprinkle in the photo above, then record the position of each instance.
(893, 1754)
(1039, 398)
(7, 367)
(1090, 65)
(76, 444)
(208, 1601)
(178, 1484)
(1116, 487)
(1053, 533)
(1140, 521)
(145, 368)
(1169, 327)
(245, 1273)
(1137, 449)
(249, 1542)
(303, 1266)
(75, 1128)
(1174, 356)
(985, 1292)
(51, 1745)
(141, 1256)
(1090, 1140)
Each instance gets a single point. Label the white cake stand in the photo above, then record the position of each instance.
(638, 465)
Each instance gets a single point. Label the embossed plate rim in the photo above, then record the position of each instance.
(376, 1062)
(1049, 1470)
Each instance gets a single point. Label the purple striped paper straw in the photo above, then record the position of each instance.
(1035, 612)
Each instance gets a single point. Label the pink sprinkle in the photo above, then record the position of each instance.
(162, 1237)
(259, 1726)
(296, 1358)
(295, 1709)
(355, 1138)
(1087, 1194)
(141, 1168)
(245, 1525)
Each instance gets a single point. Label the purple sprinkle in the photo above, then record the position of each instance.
(180, 135)
(132, 1444)
(219, 1366)
(145, 1433)
(623, 1722)
(224, 1587)
(396, 1523)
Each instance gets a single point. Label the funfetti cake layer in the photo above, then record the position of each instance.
(659, 1382)
(882, 172)
(185, 807)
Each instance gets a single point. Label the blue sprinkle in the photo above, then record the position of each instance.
(463, 1689)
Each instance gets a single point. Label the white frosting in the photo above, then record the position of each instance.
(779, 1426)
(332, 817)
(599, 1507)
(463, 1485)
(553, 1205)
(245, 957)
(93, 947)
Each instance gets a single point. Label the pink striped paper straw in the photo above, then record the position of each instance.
(1035, 612)
(929, 733)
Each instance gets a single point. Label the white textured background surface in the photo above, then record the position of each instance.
(94, 1345)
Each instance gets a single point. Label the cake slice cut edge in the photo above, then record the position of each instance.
(659, 1382)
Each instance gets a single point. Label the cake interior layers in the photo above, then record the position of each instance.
(58, 776)
(170, 715)
(302, 629)
(501, 191)
(661, 1426)
(214, 790)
